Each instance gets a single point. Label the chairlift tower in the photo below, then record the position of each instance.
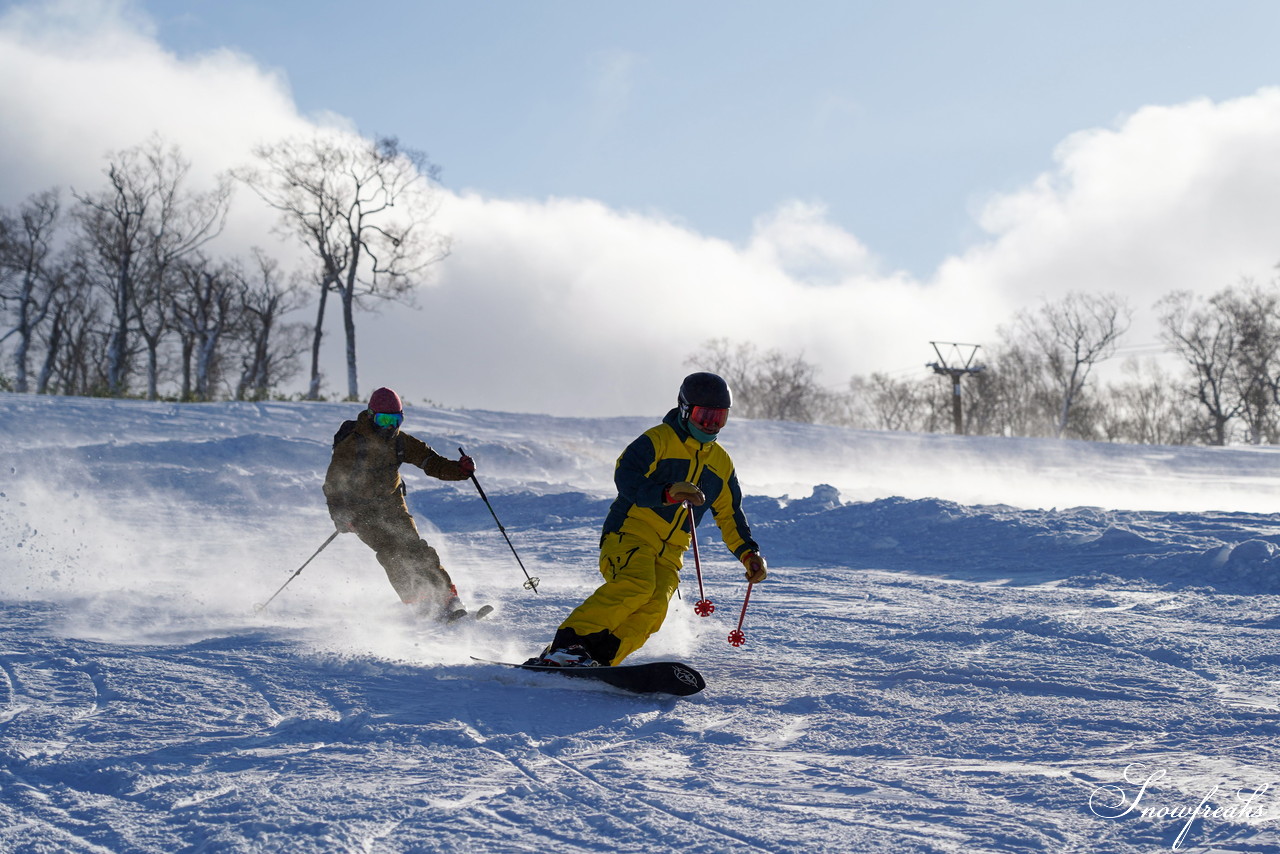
(959, 367)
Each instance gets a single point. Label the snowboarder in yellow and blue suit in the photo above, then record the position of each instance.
(646, 531)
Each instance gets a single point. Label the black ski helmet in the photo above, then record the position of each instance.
(704, 389)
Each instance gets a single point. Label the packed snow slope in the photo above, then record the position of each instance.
(965, 645)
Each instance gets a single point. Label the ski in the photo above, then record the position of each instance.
(653, 677)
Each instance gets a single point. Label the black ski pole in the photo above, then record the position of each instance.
(257, 609)
(532, 583)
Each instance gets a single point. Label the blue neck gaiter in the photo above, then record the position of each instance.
(701, 435)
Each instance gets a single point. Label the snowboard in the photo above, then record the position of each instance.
(653, 677)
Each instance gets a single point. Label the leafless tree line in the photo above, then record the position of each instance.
(1216, 381)
(116, 292)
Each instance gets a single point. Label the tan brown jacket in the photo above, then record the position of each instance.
(365, 467)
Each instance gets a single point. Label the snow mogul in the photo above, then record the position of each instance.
(365, 494)
(671, 470)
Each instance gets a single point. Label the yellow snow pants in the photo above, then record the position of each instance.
(632, 602)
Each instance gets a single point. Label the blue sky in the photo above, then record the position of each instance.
(623, 182)
(897, 116)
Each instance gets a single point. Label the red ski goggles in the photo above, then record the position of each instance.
(709, 418)
(388, 419)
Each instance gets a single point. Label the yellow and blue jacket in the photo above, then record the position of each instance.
(664, 455)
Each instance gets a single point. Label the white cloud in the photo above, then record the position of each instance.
(96, 81)
(798, 239)
(570, 306)
(1184, 196)
(567, 305)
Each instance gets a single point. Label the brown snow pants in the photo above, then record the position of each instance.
(412, 566)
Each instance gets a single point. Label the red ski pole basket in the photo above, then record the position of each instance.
(737, 637)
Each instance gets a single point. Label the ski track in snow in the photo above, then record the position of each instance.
(925, 671)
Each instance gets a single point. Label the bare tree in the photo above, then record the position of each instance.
(893, 404)
(183, 223)
(771, 385)
(1146, 406)
(51, 336)
(28, 280)
(206, 312)
(1012, 397)
(1206, 340)
(1231, 343)
(786, 388)
(136, 229)
(76, 338)
(112, 224)
(363, 208)
(1254, 311)
(270, 347)
(1072, 336)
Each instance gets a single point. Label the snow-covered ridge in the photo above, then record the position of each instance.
(965, 645)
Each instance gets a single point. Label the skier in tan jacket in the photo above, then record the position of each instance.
(365, 494)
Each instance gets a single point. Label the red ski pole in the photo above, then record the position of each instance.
(703, 607)
(736, 637)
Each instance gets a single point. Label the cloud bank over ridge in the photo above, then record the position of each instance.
(568, 305)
